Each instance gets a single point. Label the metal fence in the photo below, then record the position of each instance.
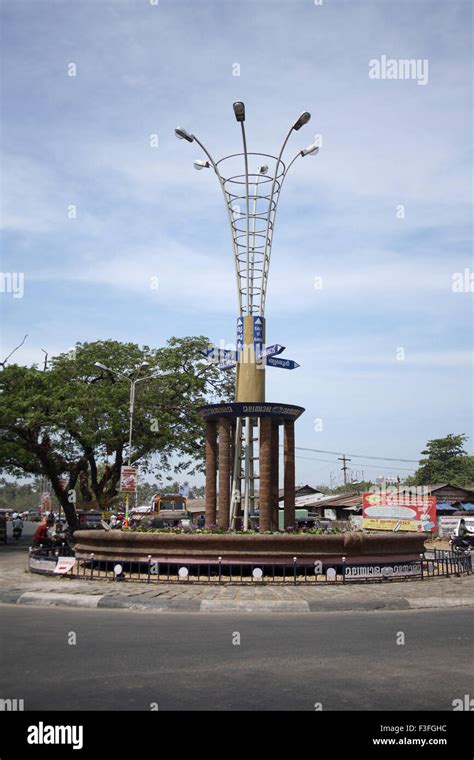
(344, 571)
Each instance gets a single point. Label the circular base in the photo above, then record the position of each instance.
(250, 548)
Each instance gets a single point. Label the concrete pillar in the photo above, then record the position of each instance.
(250, 372)
(265, 490)
(289, 473)
(224, 472)
(211, 472)
(275, 457)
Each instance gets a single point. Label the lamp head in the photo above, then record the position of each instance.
(239, 110)
(311, 150)
(100, 366)
(183, 135)
(263, 169)
(201, 165)
(301, 120)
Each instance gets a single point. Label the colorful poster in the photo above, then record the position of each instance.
(128, 479)
(398, 511)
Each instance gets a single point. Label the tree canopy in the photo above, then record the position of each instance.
(446, 462)
(70, 422)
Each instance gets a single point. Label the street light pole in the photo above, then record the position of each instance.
(133, 383)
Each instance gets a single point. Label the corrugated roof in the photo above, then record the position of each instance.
(341, 500)
(298, 489)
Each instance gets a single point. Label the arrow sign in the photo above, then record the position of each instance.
(257, 335)
(240, 334)
(218, 354)
(282, 363)
(271, 350)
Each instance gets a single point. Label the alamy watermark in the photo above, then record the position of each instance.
(12, 282)
(399, 68)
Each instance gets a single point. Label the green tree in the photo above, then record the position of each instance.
(71, 421)
(19, 496)
(446, 462)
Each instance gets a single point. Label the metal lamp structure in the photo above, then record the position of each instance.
(131, 408)
(251, 185)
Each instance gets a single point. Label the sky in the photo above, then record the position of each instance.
(369, 285)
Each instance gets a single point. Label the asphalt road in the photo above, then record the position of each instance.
(127, 660)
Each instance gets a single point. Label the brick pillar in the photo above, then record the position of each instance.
(211, 472)
(265, 491)
(275, 456)
(238, 513)
(289, 473)
(224, 472)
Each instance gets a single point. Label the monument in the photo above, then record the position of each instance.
(243, 437)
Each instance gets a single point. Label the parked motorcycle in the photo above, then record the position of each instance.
(460, 546)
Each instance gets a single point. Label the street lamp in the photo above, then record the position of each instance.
(239, 110)
(133, 382)
(301, 120)
(258, 192)
(183, 135)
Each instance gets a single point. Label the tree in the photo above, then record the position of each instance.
(354, 487)
(19, 496)
(71, 421)
(446, 462)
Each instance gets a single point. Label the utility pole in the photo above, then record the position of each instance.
(344, 459)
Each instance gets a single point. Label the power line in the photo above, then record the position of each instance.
(358, 456)
(364, 464)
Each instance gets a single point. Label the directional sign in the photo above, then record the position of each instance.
(272, 350)
(258, 335)
(219, 354)
(226, 365)
(283, 363)
(240, 335)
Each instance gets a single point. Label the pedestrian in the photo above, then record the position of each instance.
(43, 532)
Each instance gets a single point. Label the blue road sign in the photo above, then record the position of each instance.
(282, 363)
(272, 350)
(226, 365)
(258, 335)
(240, 335)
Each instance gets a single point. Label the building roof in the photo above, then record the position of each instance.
(431, 487)
(302, 490)
(340, 500)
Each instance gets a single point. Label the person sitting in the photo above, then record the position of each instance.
(42, 536)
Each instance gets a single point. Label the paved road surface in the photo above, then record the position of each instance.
(126, 660)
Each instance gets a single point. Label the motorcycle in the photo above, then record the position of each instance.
(17, 533)
(460, 546)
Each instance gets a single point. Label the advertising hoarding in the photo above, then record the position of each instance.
(398, 511)
(128, 479)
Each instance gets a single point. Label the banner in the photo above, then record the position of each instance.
(448, 524)
(64, 565)
(128, 479)
(396, 512)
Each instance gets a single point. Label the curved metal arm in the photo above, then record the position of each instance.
(272, 192)
(227, 202)
(247, 202)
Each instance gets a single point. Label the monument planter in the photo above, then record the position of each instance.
(244, 548)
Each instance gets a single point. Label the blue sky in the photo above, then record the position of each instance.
(143, 212)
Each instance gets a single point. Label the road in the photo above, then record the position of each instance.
(127, 660)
